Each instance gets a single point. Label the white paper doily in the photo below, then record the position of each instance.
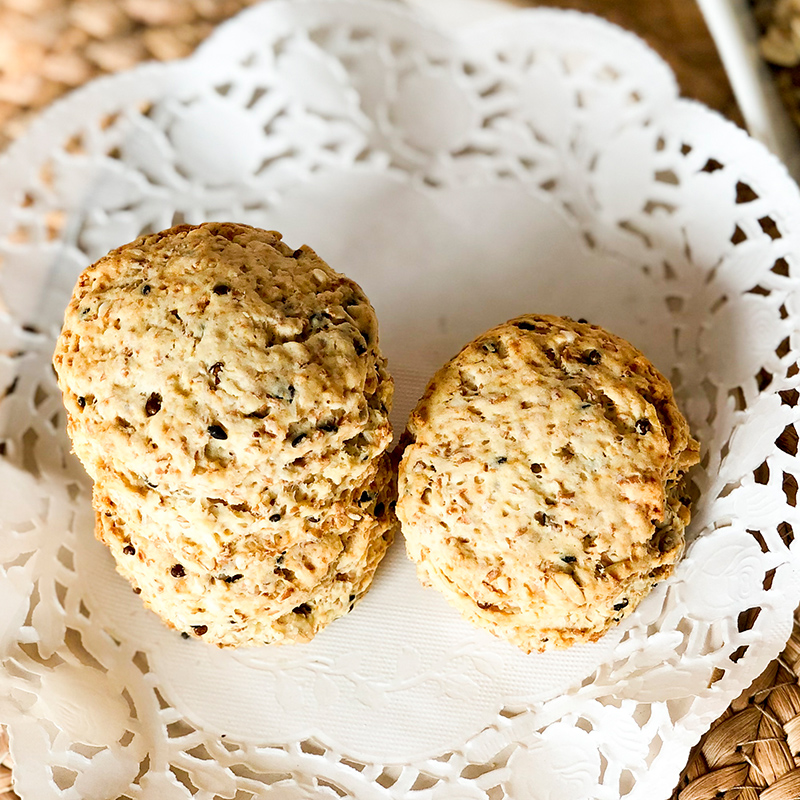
(543, 164)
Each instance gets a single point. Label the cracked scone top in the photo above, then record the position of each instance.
(199, 353)
(541, 486)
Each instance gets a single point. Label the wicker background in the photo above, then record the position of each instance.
(48, 47)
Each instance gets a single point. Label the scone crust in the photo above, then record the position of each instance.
(197, 352)
(222, 537)
(541, 485)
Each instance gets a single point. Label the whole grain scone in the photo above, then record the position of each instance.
(541, 488)
(218, 535)
(266, 591)
(228, 396)
(201, 353)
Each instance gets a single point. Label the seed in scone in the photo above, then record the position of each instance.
(178, 571)
(146, 289)
(215, 370)
(569, 559)
(232, 578)
(566, 453)
(299, 438)
(319, 320)
(274, 517)
(304, 609)
(619, 606)
(153, 404)
(129, 550)
(217, 432)
(221, 288)
(592, 357)
(297, 253)
(200, 630)
(536, 468)
(284, 395)
(643, 426)
(82, 402)
(540, 517)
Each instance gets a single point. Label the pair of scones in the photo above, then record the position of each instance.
(229, 399)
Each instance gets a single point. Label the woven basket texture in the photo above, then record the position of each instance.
(6, 792)
(778, 23)
(48, 47)
(752, 752)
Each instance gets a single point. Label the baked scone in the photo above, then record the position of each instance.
(266, 591)
(541, 488)
(198, 348)
(206, 528)
(228, 396)
(215, 534)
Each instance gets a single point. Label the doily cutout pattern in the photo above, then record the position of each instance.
(565, 109)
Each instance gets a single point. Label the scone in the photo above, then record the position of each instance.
(195, 355)
(206, 528)
(228, 396)
(265, 591)
(541, 488)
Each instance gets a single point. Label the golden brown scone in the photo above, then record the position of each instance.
(266, 591)
(200, 354)
(208, 529)
(541, 485)
(229, 398)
